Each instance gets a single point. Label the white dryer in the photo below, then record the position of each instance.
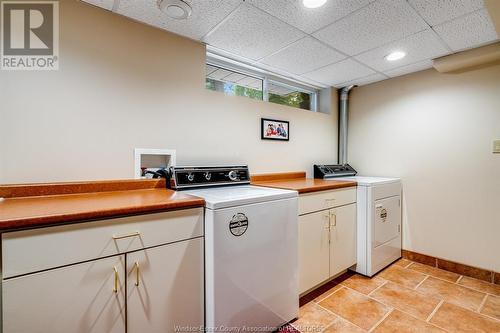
(379, 223)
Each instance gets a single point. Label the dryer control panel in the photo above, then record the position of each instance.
(324, 171)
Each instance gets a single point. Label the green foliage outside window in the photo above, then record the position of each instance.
(296, 99)
(232, 89)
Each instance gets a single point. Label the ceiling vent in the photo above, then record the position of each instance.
(176, 9)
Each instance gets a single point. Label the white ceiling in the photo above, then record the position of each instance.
(341, 43)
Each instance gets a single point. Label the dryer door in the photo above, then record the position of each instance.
(387, 220)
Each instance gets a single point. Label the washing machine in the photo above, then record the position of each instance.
(251, 249)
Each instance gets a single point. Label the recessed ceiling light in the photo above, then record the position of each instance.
(176, 9)
(313, 3)
(397, 55)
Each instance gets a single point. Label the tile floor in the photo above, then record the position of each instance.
(405, 297)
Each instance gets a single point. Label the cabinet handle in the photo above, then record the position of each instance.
(334, 224)
(328, 230)
(133, 234)
(137, 273)
(115, 287)
(329, 200)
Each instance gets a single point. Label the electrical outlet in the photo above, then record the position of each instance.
(496, 146)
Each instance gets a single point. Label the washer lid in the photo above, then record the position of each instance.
(230, 196)
(369, 181)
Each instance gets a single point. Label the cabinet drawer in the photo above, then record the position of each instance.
(39, 249)
(314, 202)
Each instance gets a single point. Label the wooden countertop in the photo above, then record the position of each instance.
(37, 211)
(297, 181)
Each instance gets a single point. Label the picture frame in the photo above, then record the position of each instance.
(274, 129)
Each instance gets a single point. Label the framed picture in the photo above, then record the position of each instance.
(272, 129)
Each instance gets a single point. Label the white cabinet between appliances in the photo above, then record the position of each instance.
(342, 238)
(157, 259)
(327, 235)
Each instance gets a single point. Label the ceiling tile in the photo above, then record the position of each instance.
(234, 77)
(379, 23)
(219, 74)
(106, 4)
(364, 80)
(468, 31)
(307, 19)
(340, 72)
(210, 69)
(303, 56)
(251, 82)
(420, 46)
(252, 33)
(279, 90)
(206, 15)
(417, 67)
(439, 11)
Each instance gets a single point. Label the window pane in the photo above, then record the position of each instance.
(233, 83)
(285, 95)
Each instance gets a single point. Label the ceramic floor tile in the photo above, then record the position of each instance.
(457, 319)
(483, 286)
(343, 326)
(399, 322)
(436, 272)
(363, 284)
(407, 300)
(405, 277)
(355, 307)
(312, 318)
(327, 293)
(402, 262)
(450, 292)
(492, 307)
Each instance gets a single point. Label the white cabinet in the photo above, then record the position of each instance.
(314, 249)
(327, 238)
(165, 288)
(80, 298)
(159, 265)
(343, 238)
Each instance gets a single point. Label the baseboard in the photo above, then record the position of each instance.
(451, 266)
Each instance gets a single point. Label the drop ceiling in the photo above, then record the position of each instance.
(344, 42)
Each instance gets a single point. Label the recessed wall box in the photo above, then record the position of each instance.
(152, 159)
(496, 146)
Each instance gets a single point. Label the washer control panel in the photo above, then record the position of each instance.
(195, 177)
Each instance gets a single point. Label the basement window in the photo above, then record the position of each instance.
(285, 94)
(234, 81)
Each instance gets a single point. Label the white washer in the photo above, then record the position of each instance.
(251, 257)
(379, 222)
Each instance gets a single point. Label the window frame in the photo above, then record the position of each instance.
(267, 78)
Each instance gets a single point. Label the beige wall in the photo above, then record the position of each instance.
(436, 132)
(123, 85)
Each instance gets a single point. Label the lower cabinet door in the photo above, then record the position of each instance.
(343, 238)
(165, 288)
(81, 298)
(314, 249)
